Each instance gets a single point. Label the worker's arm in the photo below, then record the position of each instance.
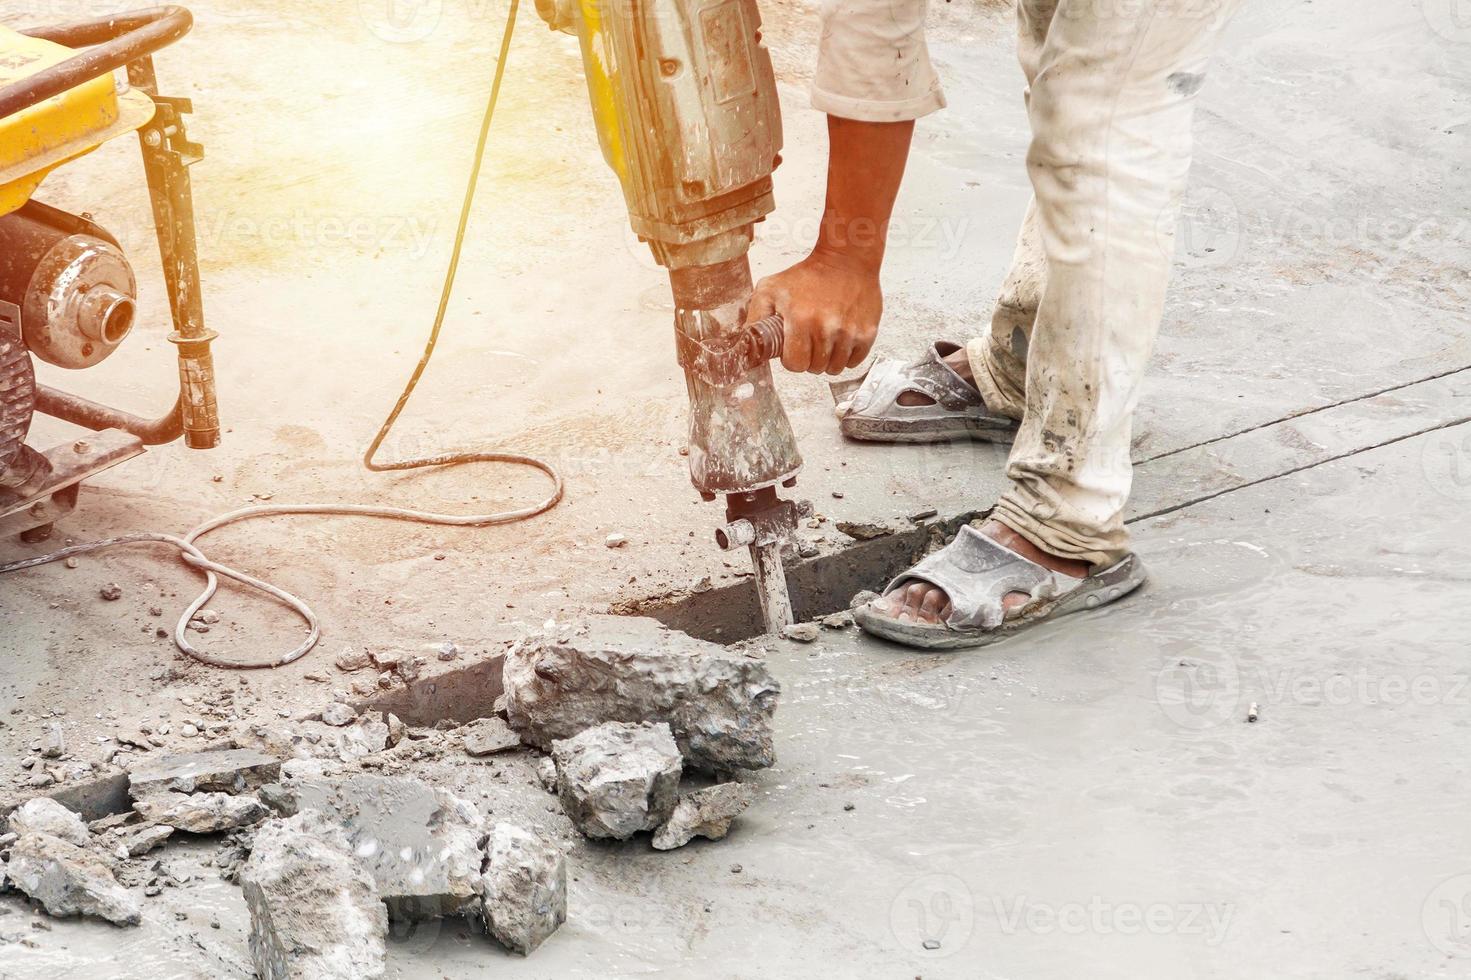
(830, 302)
(873, 79)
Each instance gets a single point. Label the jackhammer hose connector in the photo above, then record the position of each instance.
(736, 534)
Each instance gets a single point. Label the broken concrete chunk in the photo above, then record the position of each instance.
(314, 912)
(487, 736)
(523, 892)
(367, 737)
(45, 816)
(146, 840)
(617, 779)
(227, 771)
(420, 844)
(338, 714)
(838, 620)
(801, 632)
(703, 813)
(68, 880)
(617, 668)
(349, 659)
(201, 813)
(53, 745)
(864, 530)
(546, 774)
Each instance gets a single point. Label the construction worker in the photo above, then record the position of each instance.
(1111, 88)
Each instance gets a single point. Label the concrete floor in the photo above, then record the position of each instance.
(1088, 798)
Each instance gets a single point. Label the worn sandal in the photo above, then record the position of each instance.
(871, 410)
(977, 572)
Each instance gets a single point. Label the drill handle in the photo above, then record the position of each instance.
(727, 361)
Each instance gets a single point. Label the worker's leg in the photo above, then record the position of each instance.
(1111, 98)
(998, 360)
(1111, 104)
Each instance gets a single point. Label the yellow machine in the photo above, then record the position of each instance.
(67, 291)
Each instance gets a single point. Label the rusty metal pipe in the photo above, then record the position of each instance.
(90, 415)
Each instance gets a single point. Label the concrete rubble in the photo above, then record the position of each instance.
(315, 912)
(718, 703)
(617, 779)
(367, 736)
(705, 812)
(145, 840)
(420, 844)
(201, 813)
(69, 880)
(43, 815)
(224, 771)
(523, 890)
(487, 736)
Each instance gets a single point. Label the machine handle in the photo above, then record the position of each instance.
(726, 361)
(118, 40)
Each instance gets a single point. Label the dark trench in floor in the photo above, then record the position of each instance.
(818, 586)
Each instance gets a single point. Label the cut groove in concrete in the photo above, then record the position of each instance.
(818, 586)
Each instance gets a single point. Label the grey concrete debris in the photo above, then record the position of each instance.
(704, 813)
(338, 714)
(225, 771)
(45, 816)
(801, 632)
(367, 737)
(350, 659)
(838, 620)
(617, 779)
(523, 891)
(146, 840)
(718, 703)
(201, 813)
(487, 736)
(53, 745)
(864, 530)
(314, 911)
(546, 774)
(68, 880)
(420, 844)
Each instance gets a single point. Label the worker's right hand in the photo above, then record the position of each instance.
(830, 304)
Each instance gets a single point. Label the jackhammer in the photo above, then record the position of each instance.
(684, 98)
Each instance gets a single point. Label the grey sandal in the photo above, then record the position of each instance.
(871, 409)
(976, 573)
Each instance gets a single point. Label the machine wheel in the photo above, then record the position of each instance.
(17, 397)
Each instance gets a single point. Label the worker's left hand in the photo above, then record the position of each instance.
(830, 304)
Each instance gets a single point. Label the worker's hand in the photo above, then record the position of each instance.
(830, 305)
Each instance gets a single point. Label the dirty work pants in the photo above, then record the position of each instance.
(1110, 95)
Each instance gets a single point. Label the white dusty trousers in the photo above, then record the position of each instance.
(1111, 88)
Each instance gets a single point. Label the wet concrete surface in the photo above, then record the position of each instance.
(1088, 796)
(1088, 793)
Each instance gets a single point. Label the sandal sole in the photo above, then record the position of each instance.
(1112, 584)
